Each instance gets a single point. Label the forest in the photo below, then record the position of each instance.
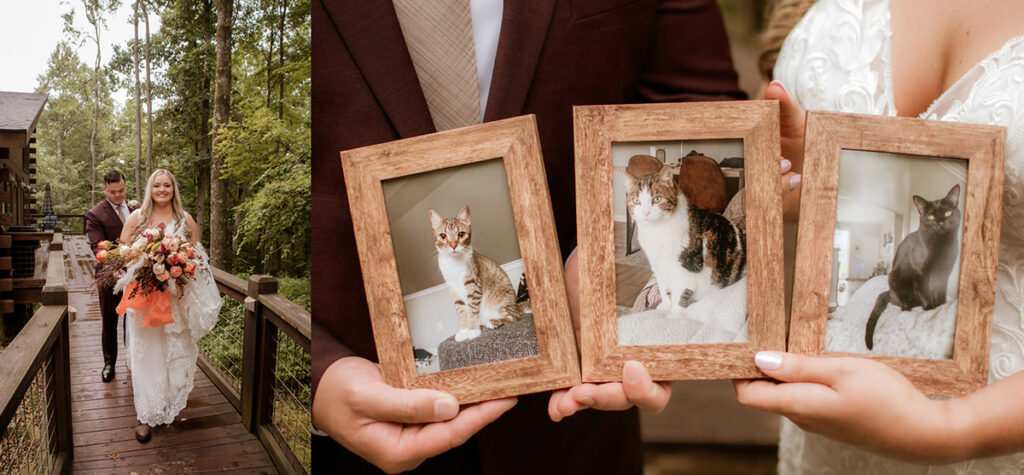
(217, 92)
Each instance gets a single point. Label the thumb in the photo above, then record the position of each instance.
(790, 111)
(791, 368)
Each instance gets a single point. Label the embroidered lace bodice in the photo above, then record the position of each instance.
(837, 58)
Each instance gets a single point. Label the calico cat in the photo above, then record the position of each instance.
(688, 248)
(923, 260)
(478, 284)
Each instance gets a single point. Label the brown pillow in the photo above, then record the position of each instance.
(702, 181)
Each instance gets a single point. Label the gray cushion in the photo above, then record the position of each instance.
(507, 342)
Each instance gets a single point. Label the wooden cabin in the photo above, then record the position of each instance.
(20, 269)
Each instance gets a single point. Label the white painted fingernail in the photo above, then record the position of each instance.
(794, 182)
(786, 165)
(768, 361)
(445, 408)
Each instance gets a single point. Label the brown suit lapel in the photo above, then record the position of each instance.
(524, 27)
(371, 33)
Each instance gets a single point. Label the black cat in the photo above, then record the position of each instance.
(923, 260)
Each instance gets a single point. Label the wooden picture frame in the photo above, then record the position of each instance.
(983, 148)
(597, 128)
(516, 143)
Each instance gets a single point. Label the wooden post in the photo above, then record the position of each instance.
(258, 354)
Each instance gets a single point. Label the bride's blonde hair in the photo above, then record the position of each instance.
(147, 204)
(782, 16)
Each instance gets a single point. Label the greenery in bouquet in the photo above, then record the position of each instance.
(156, 258)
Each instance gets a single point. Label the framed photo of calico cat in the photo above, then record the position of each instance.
(680, 238)
(907, 275)
(460, 262)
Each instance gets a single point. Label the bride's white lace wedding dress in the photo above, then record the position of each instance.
(837, 59)
(162, 359)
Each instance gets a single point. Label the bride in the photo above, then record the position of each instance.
(162, 359)
(934, 59)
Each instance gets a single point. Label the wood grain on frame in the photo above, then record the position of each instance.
(984, 148)
(516, 142)
(596, 128)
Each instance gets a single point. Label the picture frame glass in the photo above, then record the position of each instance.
(460, 268)
(896, 255)
(680, 270)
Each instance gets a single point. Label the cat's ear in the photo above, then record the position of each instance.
(628, 179)
(463, 215)
(435, 219)
(920, 203)
(954, 195)
(665, 174)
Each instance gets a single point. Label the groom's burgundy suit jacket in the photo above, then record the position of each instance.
(552, 55)
(102, 224)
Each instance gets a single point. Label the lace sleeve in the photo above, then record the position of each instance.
(200, 302)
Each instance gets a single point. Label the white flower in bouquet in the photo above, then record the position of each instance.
(159, 268)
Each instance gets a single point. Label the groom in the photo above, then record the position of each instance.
(103, 223)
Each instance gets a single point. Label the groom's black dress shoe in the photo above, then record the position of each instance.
(108, 373)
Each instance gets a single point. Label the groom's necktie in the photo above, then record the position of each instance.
(439, 36)
(120, 213)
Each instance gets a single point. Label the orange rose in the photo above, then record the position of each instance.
(104, 245)
(172, 260)
(190, 269)
(175, 271)
(162, 277)
(101, 255)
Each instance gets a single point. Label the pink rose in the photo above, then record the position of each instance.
(162, 277)
(175, 271)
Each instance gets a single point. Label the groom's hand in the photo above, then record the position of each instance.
(394, 429)
(636, 389)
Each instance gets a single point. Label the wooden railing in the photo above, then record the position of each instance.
(70, 223)
(40, 352)
(267, 314)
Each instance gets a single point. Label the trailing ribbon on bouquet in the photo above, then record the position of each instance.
(154, 307)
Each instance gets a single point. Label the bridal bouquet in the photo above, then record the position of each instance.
(154, 266)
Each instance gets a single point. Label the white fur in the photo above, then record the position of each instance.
(454, 265)
(663, 236)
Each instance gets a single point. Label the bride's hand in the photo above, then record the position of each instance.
(792, 118)
(860, 402)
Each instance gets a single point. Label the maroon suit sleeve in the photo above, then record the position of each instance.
(93, 229)
(688, 57)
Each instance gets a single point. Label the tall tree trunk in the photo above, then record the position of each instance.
(280, 56)
(219, 248)
(270, 68)
(138, 106)
(203, 166)
(95, 110)
(149, 99)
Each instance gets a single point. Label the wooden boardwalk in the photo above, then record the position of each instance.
(207, 436)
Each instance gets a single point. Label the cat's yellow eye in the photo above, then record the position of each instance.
(656, 199)
(443, 236)
(636, 201)
(948, 213)
(462, 234)
(931, 217)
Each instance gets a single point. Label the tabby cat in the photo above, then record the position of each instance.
(688, 248)
(478, 284)
(923, 260)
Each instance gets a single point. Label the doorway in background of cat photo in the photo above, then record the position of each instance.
(680, 263)
(896, 255)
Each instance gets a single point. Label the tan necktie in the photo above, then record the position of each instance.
(120, 213)
(439, 35)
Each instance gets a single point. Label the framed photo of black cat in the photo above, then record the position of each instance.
(914, 208)
(680, 238)
(460, 262)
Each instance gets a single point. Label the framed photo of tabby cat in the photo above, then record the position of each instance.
(914, 207)
(460, 262)
(680, 238)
